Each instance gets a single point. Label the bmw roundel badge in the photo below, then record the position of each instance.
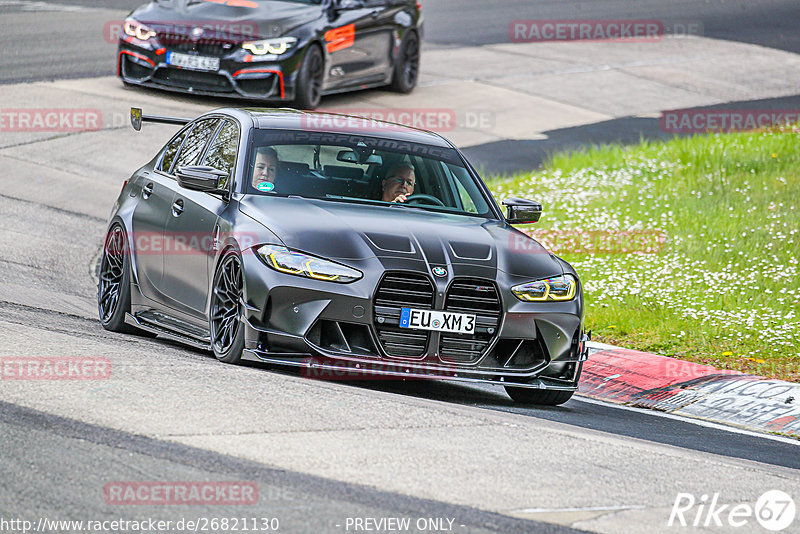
(440, 271)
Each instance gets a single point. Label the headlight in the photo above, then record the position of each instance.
(275, 47)
(290, 262)
(134, 28)
(558, 288)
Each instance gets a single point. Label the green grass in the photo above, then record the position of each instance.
(723, 288)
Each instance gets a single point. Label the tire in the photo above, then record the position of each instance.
(406, 68)
(114, 283)
(227, 332)
(308, 91)
(545, 397)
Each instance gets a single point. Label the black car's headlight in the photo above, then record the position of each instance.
(291, 262)
(558, 288)
(275, 47)
(134, 28)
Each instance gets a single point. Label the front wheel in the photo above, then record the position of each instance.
(406, 68)
(227, 334)
(546, 397)
(308, 91)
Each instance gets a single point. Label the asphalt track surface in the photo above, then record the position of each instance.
(28, 28)
(53, 465)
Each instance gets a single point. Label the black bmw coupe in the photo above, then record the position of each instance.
(272, 50)
(272, 236)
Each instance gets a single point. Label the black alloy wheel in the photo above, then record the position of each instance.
(406, 70)
(309, 82)
(227, 335)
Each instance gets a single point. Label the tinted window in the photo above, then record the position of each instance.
(195, 143)
(222, 153)
(171, 151)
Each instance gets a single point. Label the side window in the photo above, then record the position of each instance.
(466, 201)
(222, 153)
(195, 143)
(170, 151)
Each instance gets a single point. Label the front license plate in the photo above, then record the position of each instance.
(192, 62)
(440, 321)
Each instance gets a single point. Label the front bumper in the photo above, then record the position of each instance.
(252, 80)
(339, 331)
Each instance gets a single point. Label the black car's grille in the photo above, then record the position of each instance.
(216, 44)
(213, 49)
(397, 291)
(201, 81)
(479, 298)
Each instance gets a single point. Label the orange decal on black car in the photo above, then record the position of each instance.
(340, 38)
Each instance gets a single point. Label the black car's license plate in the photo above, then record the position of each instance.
(193, 62)
(440, 321)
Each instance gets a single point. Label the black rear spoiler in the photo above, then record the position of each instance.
(137, 118)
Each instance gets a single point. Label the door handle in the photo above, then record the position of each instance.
(177, 208)
(147, 191)
(375, 13)
(215, 242)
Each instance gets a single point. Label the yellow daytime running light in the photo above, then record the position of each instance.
(290, 262)
(560, 288)
(312, 274)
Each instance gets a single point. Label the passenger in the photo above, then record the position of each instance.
(398, 184)
(266, 168)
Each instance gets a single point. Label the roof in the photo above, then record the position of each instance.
(291, 119)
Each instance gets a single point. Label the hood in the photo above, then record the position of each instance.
(345, 231)
(247, 18)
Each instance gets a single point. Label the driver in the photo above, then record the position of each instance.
(398, 184)
(266, 166)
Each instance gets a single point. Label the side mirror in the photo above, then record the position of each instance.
(522, 211)
(344, 5)
(202, 178)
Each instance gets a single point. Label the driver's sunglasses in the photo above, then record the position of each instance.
(404, 181)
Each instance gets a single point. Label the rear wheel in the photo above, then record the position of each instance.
(114, 287)
(546, 397)
(308, 91)
(227, 334)
(406, 68)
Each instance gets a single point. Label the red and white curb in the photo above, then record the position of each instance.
(679, 387)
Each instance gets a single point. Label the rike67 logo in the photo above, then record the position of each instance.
(775, 510)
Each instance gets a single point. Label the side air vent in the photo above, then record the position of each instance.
(400, 290)
(479, 298)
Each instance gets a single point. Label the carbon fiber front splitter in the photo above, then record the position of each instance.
(347, 370)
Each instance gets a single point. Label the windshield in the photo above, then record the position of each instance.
(348, 168)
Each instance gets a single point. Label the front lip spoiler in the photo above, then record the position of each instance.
(395, 370)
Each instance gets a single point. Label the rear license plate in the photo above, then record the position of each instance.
(441, 321)
(193, 62)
